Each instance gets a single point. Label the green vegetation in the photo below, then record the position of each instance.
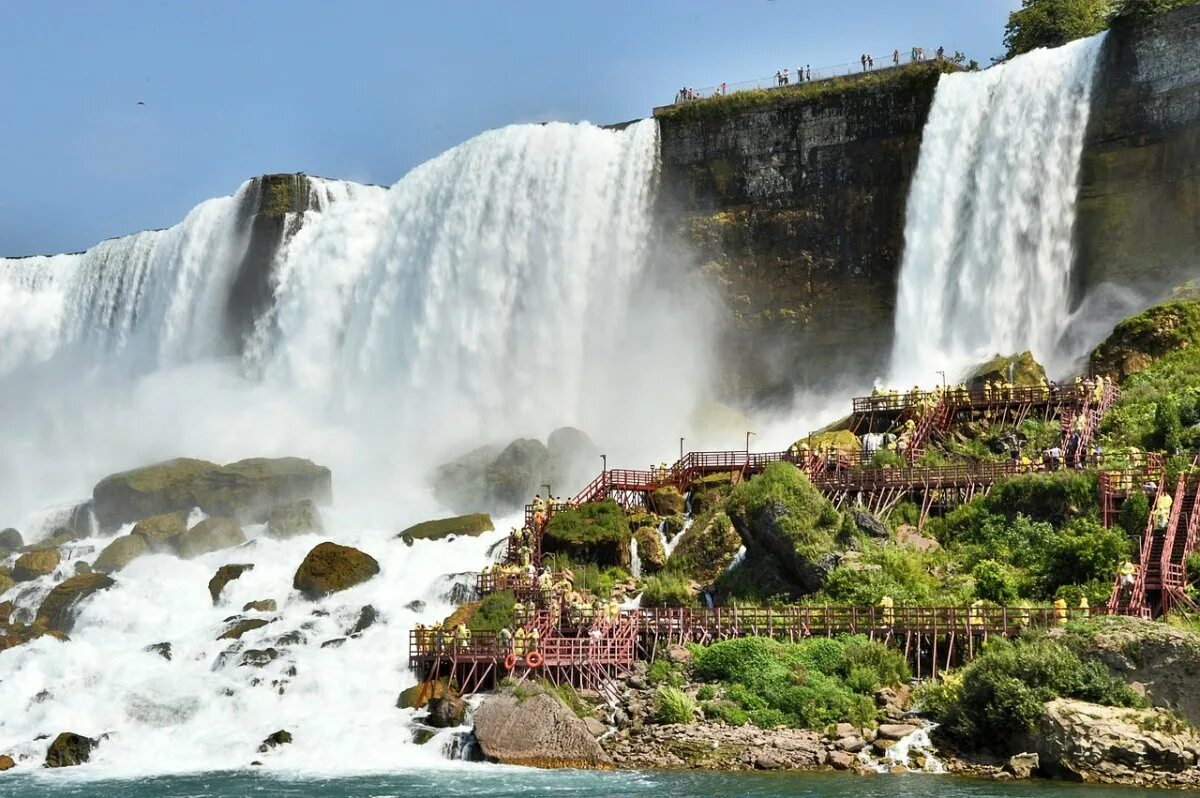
(908, 576)
(597, 532)
(667, 590)
(911, 78)
(1052, 23)
(472, 525)
(807, 685)
(672, 705)
(597, 580)
(1002, 693)
(495, 613)
(663, 672)
(809, 520)
(706, 549)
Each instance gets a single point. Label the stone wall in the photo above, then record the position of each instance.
(794, 205)
(1139, 207)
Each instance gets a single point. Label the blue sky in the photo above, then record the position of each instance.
(367, 90)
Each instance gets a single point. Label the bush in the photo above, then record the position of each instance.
(661, 671)
(1002, 693)
(591, 577)
(672, 705)
(994, 582)
(1134, 514)
(495, 613)
(596, 532)
(729, 713)
(706, 692)
(666, 590)
(1141, 10)
(902, 573)
(1053, 23)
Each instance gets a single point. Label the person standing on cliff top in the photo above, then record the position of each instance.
(808, 72)
(786, 79)
(863, 59)
(896, 57)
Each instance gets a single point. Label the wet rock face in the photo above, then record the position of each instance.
(160, 488)
(59, 608)
(121, 552)
(249, 490)
(10, 540)
(447, 712)
(211, 534)
(158, 530)
(329, 568)
(70, 749)
(1138, 216)
(281, 737)
(470, 525)
(537, 731)
(296, 518)
(35, 564)
(224, 575)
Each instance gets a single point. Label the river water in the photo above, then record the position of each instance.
(497, 782)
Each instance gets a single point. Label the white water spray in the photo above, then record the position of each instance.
(987, 250)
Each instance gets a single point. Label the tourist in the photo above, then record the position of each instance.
(778, 78)
(504, 638)
(888, 614)
(1055, 457)
(1060, 612)
(870, 62)
(863, 60)
(896, 57)
(724, 88)
(808, 72)
(1084, 609)
(941, 53)
(519, 641)
(786, 80)
(1127, 573)
(1162, 511)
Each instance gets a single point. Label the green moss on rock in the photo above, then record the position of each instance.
(1139, 340)
(58, 610)
(650, 550)
(119, 553)
(158, 530)
(329, 568)
(706, 549)
(160, 488)
(249, 490)
(211, 534)
(1026, 372)
(470, 525)
(597, 533)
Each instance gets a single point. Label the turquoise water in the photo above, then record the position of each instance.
(503, 783)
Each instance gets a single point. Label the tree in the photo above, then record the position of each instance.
(1053, 23)
(1144, 9)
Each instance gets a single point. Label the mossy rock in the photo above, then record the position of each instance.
(705, 550)
(224, 575)
(517, 473)
(59, 536)
(10, 540)
(249, 490)
(35, 564)
(240, 626)
(706, 500)
(330, 568)
(840, 439)
(6, 583)
(420, 694)
(294, 519)
(119, 553)
(1026, 372)
(211, 534)
(58, 609)
(165, 487)
(468, 525)
(650, 550)
(158, 530)
(1139, 340)
(667, 500)
(70, 749)
(597, 532)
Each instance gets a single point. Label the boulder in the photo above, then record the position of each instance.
(650, 550)
(367, 617)
(869, 525)
(468, 525)
(266, 605)
(160, 488)
(842, 760)
(460, 484)
(35, 564)
(295, 518)
(6, 763)
(770, 529)
(706, 550)
(81, 567)
(120, 552)
(69, 749)
(447, 712)
(241, 626)
(420, 694)
(517, 473)
(1026, 372)
(60, 607)
(1090, 742)
(678, 654)
(1022, 766)
(211, 534)
(850, 744)
(533, 727)
(907, 535)
(667, 500)
(249, 490)
(259, 657)
(597, 532)
(5, 583)
(161, 649)
(158, 530)
(1139, 340)
(224, 575)
(10, 540)
(277, 739)
(573, 456)
(895, 731)
(329, 568)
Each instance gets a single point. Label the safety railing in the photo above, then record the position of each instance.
(979, 398)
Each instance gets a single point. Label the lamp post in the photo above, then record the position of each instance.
(748, 434)
(681, 451)
(547, 487)
(939, 371)
(604, 458)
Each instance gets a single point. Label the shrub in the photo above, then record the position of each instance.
(902, 573)
(1134, 514)
(672, 705)
(666, 590)
(707, 692)
(594, 532)
(731, 714)
(661, 671)
(810, 521)
(495, 613)
(994, 582)
(768, 718)
(1053, 23)
(1083, 551)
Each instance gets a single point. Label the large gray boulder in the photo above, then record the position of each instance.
(10, 540)
(60, 607)
(160, 488)
(1090, 742)
(249, 490)
(119, 553)
(469, 525)
(535, 728)
(294, 519)
(158, 530)
(70, 749)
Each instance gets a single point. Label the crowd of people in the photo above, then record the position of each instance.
(803, 74)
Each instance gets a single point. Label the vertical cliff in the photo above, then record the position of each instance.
(794, 202)
(1139, 206)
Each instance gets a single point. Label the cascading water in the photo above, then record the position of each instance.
(987, 243)
(503, 288)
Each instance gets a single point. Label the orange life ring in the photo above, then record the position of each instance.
(510, 661)
(533, 659)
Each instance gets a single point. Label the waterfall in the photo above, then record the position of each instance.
(987, 242)
(506, 287)
(635, 562)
